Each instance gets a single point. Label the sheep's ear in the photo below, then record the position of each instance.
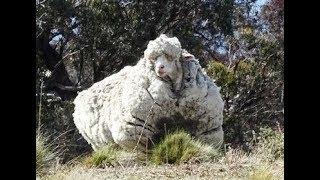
(187, 57)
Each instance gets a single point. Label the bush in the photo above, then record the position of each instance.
(252, 92)
(178, 147)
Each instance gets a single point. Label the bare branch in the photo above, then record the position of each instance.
(70, 88)
(202, 35)
(74, 52)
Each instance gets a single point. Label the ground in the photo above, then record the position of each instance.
(234, 165)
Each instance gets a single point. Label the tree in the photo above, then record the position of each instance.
(252, 81)
(273, 18)
(98, 38)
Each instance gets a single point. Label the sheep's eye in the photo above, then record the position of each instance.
(168, 57)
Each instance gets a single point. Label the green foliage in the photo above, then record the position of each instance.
(231, 78)
(105, 156)
(253, 92)
(178, 147)
(44, 153)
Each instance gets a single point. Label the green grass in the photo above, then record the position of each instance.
(106, 156)
(179, 147)
(44, 153)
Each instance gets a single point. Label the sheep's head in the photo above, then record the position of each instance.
(164, 54)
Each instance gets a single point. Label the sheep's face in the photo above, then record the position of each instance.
(164, 65)
(162, 54)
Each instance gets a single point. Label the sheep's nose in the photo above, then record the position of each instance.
(161, 66)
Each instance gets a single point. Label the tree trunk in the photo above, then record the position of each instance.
(53, 62)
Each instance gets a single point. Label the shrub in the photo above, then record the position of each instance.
(252, 92)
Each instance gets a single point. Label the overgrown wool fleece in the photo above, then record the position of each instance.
(135, 107)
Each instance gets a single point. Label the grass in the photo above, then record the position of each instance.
(44, 153)
(271, 143)
(110, 155)
(261, 175)
(178, 147)
(103, 157)
(262, 163)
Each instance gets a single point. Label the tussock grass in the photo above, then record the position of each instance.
(109, 155)
(178, 147)
(44, 153)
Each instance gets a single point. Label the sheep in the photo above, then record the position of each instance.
(111, 104)
(135, 107)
